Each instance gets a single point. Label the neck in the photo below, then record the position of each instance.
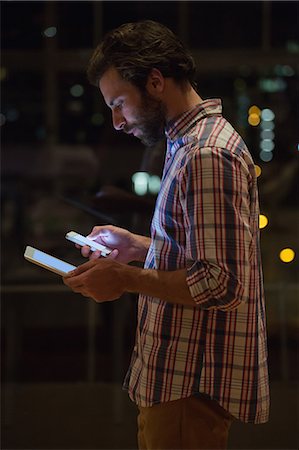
(179, 99)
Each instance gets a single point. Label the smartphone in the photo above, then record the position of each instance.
(82, 240)
(47, 261)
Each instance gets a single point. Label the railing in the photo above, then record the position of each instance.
(282, 307)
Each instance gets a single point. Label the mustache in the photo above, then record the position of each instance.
(127, 128)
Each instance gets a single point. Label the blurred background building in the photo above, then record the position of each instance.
(63, 168)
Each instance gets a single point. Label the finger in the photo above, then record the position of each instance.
(81, 291)
(96, 232)
(113, 255)
(75, 284)
(72, 284)
(78, 290)
(102, 235)
(79, 270)
(95, 255)
(85, 251)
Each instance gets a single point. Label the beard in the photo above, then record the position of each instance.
(151, 121)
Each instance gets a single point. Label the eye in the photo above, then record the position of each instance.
(117, 105)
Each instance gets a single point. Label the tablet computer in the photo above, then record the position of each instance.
(48, 262)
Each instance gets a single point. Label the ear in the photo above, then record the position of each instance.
(155, 82)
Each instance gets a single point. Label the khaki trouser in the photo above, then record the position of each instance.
(189, 423)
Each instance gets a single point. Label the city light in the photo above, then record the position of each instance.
(267, 145)
(140, 183)
(254, 115)
(254, 110)
(258, 170)
(240, 84)
(74, 107)
(292, 46)
(287, 255)
(263, 221)
(77, 90)
(267, 125)
(272, 85)
(3, 73)
(144, 183)
(254, 119)
(267, 135)
(154, 184)
(2, 119)
(97, 119)
(284, 70)
(50, 32)
(266, 156)
(243, 104)
(267, 115)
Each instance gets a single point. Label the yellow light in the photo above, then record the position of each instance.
(254, 110)
(254, 119)
(3, 73)
(287, 255)
(263, 221)
(240, 84)
(97, 119)
(258, 170)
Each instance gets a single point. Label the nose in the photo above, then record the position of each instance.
(118, 120)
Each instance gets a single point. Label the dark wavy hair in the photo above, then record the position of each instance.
(134, 49)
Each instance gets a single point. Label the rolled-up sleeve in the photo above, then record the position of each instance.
(215, 198)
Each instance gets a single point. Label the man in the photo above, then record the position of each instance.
(200, 357)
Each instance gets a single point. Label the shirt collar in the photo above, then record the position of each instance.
(177, 127)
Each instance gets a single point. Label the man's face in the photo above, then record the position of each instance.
(133, 112)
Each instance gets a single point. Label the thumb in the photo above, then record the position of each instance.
(80, 269)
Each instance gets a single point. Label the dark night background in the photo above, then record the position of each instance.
(63, 168)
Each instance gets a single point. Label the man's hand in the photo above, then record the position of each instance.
(98, 279)
(105, 280)
(126, 247)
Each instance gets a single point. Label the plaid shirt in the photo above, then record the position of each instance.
(207, 221)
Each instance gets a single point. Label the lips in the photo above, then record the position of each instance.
(129, 130)
(132, 131)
